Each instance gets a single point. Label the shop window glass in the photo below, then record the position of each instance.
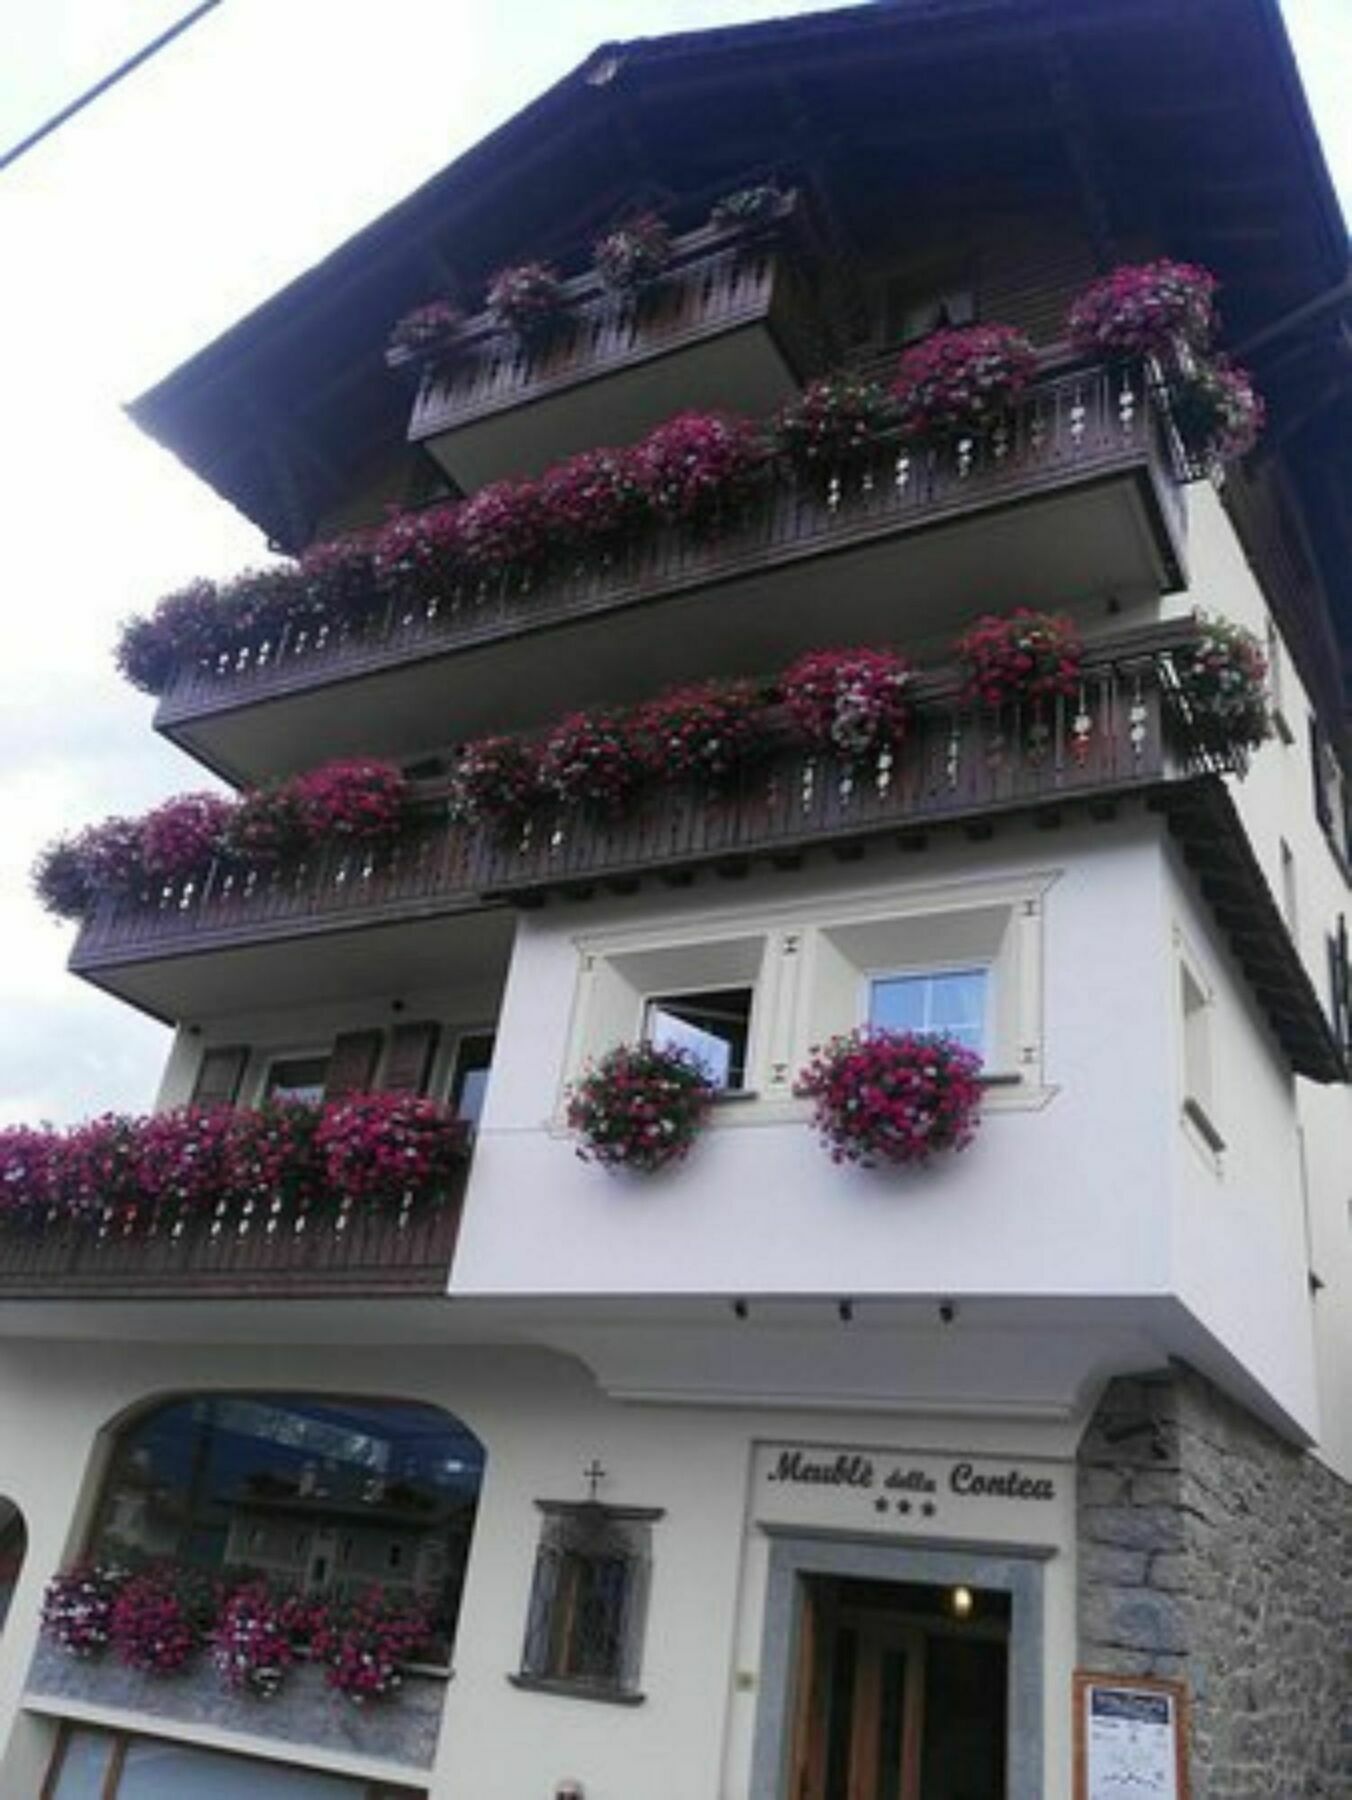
(282, 1485)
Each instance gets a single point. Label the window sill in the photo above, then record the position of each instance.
(735, 1096)
(575, 1690)
(1200, 1120)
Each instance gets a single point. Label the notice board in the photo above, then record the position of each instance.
(1130, 1738)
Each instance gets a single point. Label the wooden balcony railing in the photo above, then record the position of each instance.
(717, 282)
(237, 1254)
(1076, 428)
(1125, 731)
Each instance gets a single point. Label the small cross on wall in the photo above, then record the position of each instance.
(594, 1475)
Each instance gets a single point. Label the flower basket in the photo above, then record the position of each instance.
(1216, 410)
(634, 255)
(593, 500)
(77, 1608)
(1145, 309)
(892, 1098)
(495, 784)
(186, 627)
(526, 300)
(424, 334)
(390, 1151)
(364, 802)
(1223, 679)
(366, 1644)
(960, 380)
(705, 732)
(639, 1108)
(699, 469)
(267, 826)
(589, 761)
(180, 838)
(834, 423)
(851, 703)
(72, 874)
(251, 1643)
(754, 210)
(1023, 656)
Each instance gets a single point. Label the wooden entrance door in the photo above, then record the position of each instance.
(861, 1706)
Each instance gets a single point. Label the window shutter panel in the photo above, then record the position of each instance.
(219, 1074)
(409, 1063)
(352, 1063)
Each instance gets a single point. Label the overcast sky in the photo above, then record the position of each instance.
(246, 151)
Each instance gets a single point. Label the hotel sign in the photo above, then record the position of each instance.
(952, 1494)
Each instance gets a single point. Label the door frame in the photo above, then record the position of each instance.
(796, 1555)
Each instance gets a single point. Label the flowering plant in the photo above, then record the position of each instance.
(426, 330)
(266, 825)
(251, 1641)
(180, 837)
(339, 577)
(1145, 309)
(501, 527)
(185, 627)
(96, 1171)
(959, 379)
(699, 467)
(274, 1159)
(28, 1173)
(389, 1149)
(71, 874)
(495, 782)
(366, 1644)
(589, 760)
(525, 299)
(151, 1627)
(634, 254)
(1218, 411)
(749, 208)
(892, 1097)
(595, 497)
(1023, 656)
(77, 1608)
(853, 702)
(640, 1107)
(705, 732)
(1223, 676)
(185, 1160)
(361, 800)
(836, 419)
(419, 555)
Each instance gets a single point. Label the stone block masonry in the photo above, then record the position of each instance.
(1213, 1552)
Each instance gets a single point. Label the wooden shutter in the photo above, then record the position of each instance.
(352, 1063)
(219, 1074)
(408, 1066)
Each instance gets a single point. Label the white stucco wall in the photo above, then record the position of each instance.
(541, 1420)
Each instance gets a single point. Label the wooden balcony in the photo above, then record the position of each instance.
(735, 322)
(1128, 734)
(235, 1255)
(1074, 498)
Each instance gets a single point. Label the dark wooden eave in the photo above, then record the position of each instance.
(1180, 126)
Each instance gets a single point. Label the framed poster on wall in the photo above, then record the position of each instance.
(1130, 1738)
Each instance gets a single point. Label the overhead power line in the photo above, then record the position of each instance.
(110, 80)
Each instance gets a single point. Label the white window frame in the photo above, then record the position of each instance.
(1197, 1039)
(710, 987)
(924, 971)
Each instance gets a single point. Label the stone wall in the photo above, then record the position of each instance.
(1213, 1552)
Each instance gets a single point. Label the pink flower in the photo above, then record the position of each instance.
(705, 732)
(699, 468)
(892, 1097)
(634, 254)
(588, 760)
(1022, 656)
(961, 379)
(852, 702)
(640, 1107)
(525, 299)
(181, 836)
(1145, 309)
(362, 799)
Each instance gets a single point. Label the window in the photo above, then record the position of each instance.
(469, 1080)
(588, 1600)
(297, 1078)
(1340, 985)
(715, 1027)
(93, 1764)
(274, 1483)
(1198, 1106)
(948, 1002)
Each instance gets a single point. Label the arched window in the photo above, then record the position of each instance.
(13, 1549)
(322, 1496)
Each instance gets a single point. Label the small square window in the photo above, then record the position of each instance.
(940, 1003)
(588, 1599)
(297, 1078)
(714, 1027)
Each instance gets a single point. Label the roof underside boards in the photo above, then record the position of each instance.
(1174, 123)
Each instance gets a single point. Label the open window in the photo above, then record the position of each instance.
(713, 1026)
